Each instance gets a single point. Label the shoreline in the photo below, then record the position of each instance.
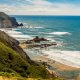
(25, 46)
(54, 63)
(57, 68)
(51, 62)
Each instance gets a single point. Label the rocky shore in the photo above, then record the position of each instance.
(37, 42)
(54, 67)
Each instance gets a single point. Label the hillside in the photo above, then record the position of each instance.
(7, 21)
(15, 62)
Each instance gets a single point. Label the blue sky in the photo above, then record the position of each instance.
(40, 7)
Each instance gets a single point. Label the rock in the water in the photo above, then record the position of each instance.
(14, 22)
(37, 39)
(21, 24)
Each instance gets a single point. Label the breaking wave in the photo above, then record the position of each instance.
(60, 33)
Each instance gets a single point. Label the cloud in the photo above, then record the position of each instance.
(41, 7)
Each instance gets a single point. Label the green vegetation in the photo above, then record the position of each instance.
(12, 64)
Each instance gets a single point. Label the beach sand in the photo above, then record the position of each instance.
(51, 62)
(54, 63)
(54, 67)
(57, 66)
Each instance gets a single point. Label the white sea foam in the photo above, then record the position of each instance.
(52, 40)
(29, 26)
(21, 36)
(60, 33)
(16, 34)
(70, 58)
(38, 27)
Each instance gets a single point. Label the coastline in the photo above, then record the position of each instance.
(43, 58)
(53, 65)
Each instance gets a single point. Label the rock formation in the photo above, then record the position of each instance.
(14, 61)
(7, 21)
(12, 43)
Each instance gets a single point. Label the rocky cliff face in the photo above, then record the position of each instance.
(7, 22)
(12, 43)
(13, 60)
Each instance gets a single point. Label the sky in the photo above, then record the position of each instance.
(40, 7)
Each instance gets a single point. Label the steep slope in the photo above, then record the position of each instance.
(7, 21)
(13, 62)
(12, 43)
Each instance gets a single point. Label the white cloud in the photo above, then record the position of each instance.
(41, 7)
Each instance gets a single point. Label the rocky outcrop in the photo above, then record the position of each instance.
(14, 61)
(12, 43)
(14, 22)
(43, 43)
(7, 21)
(36, 40)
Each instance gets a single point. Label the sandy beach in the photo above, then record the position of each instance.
(54, 63)
(54, 66)
(51, 62)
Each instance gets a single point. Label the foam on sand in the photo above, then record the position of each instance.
(70, 58)
(60, 33)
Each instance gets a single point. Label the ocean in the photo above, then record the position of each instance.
(65, 30)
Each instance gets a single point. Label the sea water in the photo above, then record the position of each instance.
(64, 30)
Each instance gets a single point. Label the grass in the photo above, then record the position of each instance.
(14, 66)
(11, 62)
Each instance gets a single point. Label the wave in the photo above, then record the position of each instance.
(21, 36)
(16, 34)
(31, 27)
(70, 58)
(60, 33)
(38, 27)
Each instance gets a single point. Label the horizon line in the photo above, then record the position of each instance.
(40, 15)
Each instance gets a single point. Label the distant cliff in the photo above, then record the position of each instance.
(7, 21)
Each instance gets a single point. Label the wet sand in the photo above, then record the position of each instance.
(51, 62)
(55, 64)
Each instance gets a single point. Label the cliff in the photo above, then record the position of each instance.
(7, 21)
(14, 61)
(12, 43)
